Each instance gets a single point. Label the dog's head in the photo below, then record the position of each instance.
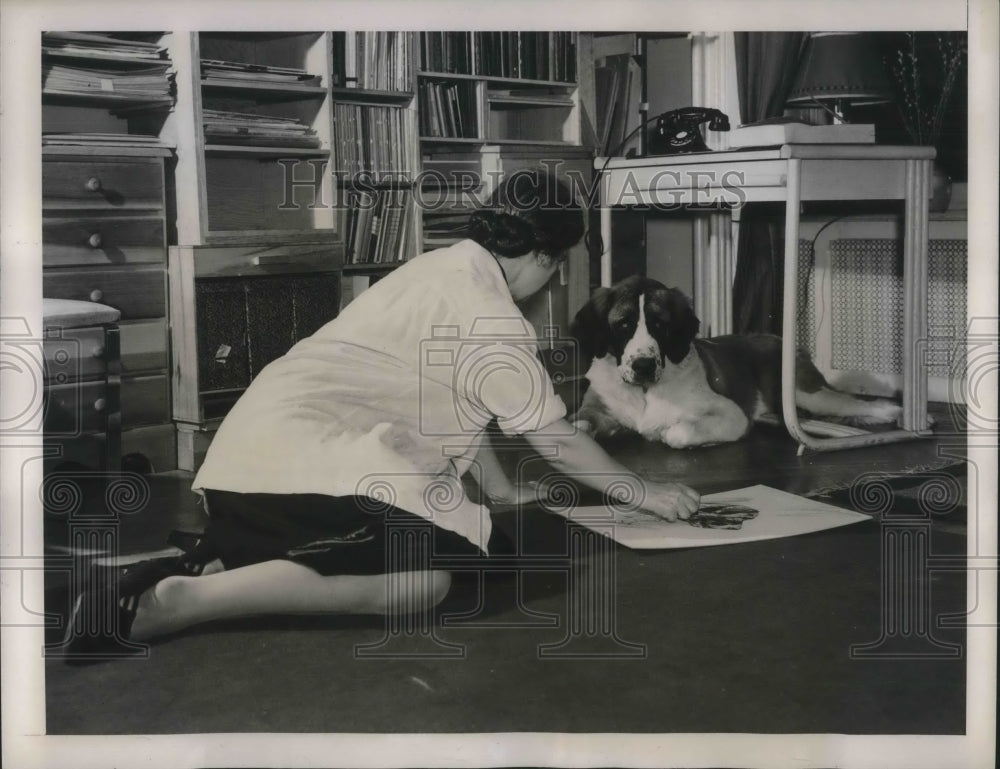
(639, 321)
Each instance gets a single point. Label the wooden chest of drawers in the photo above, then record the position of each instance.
(105, 240)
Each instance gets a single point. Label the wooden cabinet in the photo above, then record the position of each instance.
(104, 240)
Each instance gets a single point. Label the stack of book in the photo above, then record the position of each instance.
(373, 140)
(372, 60)
(446, 52)
(447, 110)
(247, 129)
(378, 226)
(218, 72)
(526, 55)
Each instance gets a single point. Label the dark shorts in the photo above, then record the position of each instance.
(332, 535)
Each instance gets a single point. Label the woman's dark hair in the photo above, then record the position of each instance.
(529, 211)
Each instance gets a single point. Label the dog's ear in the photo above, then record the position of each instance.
(684, 326)
(590, 328)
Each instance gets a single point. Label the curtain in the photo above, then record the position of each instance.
(766, 64)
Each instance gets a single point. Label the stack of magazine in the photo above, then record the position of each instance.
(129, 72)
(246, 129)
(218, 72)
(89, 45)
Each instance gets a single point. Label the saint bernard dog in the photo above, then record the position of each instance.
(648, 374)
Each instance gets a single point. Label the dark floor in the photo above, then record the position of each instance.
(754, 637)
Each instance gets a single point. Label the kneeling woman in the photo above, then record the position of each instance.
(370, 424)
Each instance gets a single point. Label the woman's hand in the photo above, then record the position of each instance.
(670, 501)
(520, 494)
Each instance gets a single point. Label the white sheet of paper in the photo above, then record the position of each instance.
(779, 514)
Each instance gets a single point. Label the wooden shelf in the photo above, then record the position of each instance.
(449, 75)
(269, 237)
(529, 142)
(278, 89)
(370, 268)
(372, 184)
(369, 96)
(452, 140)
(124, 149)
(506, 101)
(522, 82)
(264, 152)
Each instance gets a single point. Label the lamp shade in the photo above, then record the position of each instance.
(841, 65)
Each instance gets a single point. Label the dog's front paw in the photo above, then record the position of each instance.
(682, 435)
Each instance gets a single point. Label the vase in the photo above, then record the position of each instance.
(940, 190)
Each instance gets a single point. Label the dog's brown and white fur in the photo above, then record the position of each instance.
(648, 373)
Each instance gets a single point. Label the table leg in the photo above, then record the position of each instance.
(915, 271)
(606, 245)
(789, 317)
(918, 174)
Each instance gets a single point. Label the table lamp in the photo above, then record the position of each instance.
(839, 69)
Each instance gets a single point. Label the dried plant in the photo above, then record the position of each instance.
(926, 88)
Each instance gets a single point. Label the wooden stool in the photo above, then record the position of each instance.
(83, 375)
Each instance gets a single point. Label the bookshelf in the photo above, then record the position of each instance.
(252, 128)
(518, 95)
(376, 154)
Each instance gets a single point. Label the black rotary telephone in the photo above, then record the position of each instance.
(677, 131)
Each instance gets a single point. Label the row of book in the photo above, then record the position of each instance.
(378, 61)
(373, 139)
(617, 85)
(526, 55)
(378, 225)
(219, 72)
(446, 52)
(447, 110)
(246, 129)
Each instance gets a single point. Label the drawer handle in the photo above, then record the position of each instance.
(96, 295)
(97, 352)
(95, 240)
(99, 405)
(94, 184)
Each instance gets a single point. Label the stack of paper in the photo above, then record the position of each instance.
(776, 134)
(247, 129)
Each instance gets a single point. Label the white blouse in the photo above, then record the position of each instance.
(390, 399)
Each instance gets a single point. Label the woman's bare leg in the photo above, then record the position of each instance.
(281, 587)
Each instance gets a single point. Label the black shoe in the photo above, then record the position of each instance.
(101, 619)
